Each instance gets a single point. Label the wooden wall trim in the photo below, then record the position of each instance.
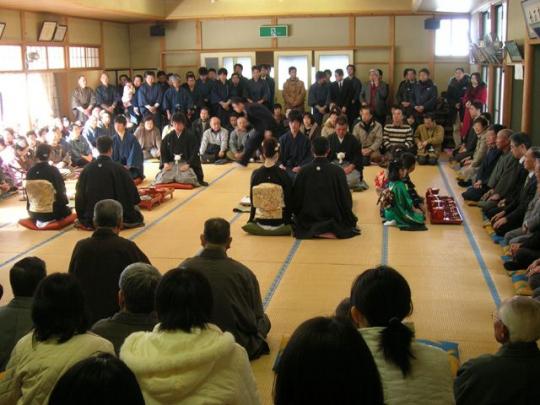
(527, 88)
(352, 31)
(507, 99)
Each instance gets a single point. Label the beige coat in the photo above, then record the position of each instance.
(430, 381)
(371, 138)
(202, 367)
(35, 367)
(434, 136)
(294, 94)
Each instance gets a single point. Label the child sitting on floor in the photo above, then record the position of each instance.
(399, 209)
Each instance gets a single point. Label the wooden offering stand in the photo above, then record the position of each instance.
(443, 210)
(152, 196)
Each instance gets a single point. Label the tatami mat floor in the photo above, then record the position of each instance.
(302, 279)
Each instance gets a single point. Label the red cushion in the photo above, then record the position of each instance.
(137, 181)
(53, 226)
(176, 186)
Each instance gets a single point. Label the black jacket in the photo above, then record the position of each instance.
(341, 97)
(516, 209)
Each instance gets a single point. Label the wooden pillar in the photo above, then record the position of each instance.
(392, 56)
(198, 40)
(274, 40)
(507, 99)
(527, 88)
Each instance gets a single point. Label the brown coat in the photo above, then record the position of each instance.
(294, 94)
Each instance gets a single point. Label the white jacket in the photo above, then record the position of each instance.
(202, 367)
(429, 383)
(35, 367)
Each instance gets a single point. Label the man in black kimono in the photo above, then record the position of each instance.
(105, 179)
(261, 120)
(346, 152)
(294, 146)
(221, 96)
(181, 142)
(196, 99)
(98, 261)
(237, 305)
(257, 89)
(322, 201)
(340, 93)
(204, 86)
(42, 170)
(149, 97)
(106, 94)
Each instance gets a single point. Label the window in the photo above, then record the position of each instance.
(500, 21)
(333, 62)
(498, 95)
(245, 61)
(284, 62)
(10, 58)
(485, 24)
(55, 57)
(36, 57)
(83, 57)
(452, 38)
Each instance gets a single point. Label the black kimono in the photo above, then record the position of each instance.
(261, 119)
(186, 145)
(177, 100)
(273, 175)
(150, 95)
(106, 96)
(44, 171)
(105, 179)
(322, 202)
(294, 151)
(350, 146)
(258, 90)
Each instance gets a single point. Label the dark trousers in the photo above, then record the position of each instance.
(526, 256)
(252, 144)
(474, 194)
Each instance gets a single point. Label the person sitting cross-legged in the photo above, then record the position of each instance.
(295, 150)
(149, 138)
(322, 202)
(346, 152)
(237, 304)
(214, 143)
(397, 136)
(370, 135)
(59, 339)
(105, 179)
(429, 138)
(187, 360)
(80, 149)
(508, 376)
(45, 178)
(15, 317)
(98, 261)
(238, 139)
(138, 283)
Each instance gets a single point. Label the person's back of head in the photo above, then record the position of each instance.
(520, 138)
(138, 283)
(184, 300)
(381, 297)
(326, 361)
(25, 275)
(104, 144)
(101, 379)
(217, 231)
(108, 214)
(43, 152)
(58, 310)
(408, 160)
(320, 146)
(520, 317)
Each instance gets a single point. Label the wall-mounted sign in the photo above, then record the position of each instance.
(273, 31)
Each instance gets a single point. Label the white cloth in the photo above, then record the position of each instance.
(202, 367)
(430, 381)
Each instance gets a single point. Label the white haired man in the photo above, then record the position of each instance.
(510, 375)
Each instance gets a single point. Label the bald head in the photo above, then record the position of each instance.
(215, 123)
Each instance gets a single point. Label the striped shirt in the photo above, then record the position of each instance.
(398, 136)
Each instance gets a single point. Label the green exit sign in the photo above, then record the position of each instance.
(273, 31)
